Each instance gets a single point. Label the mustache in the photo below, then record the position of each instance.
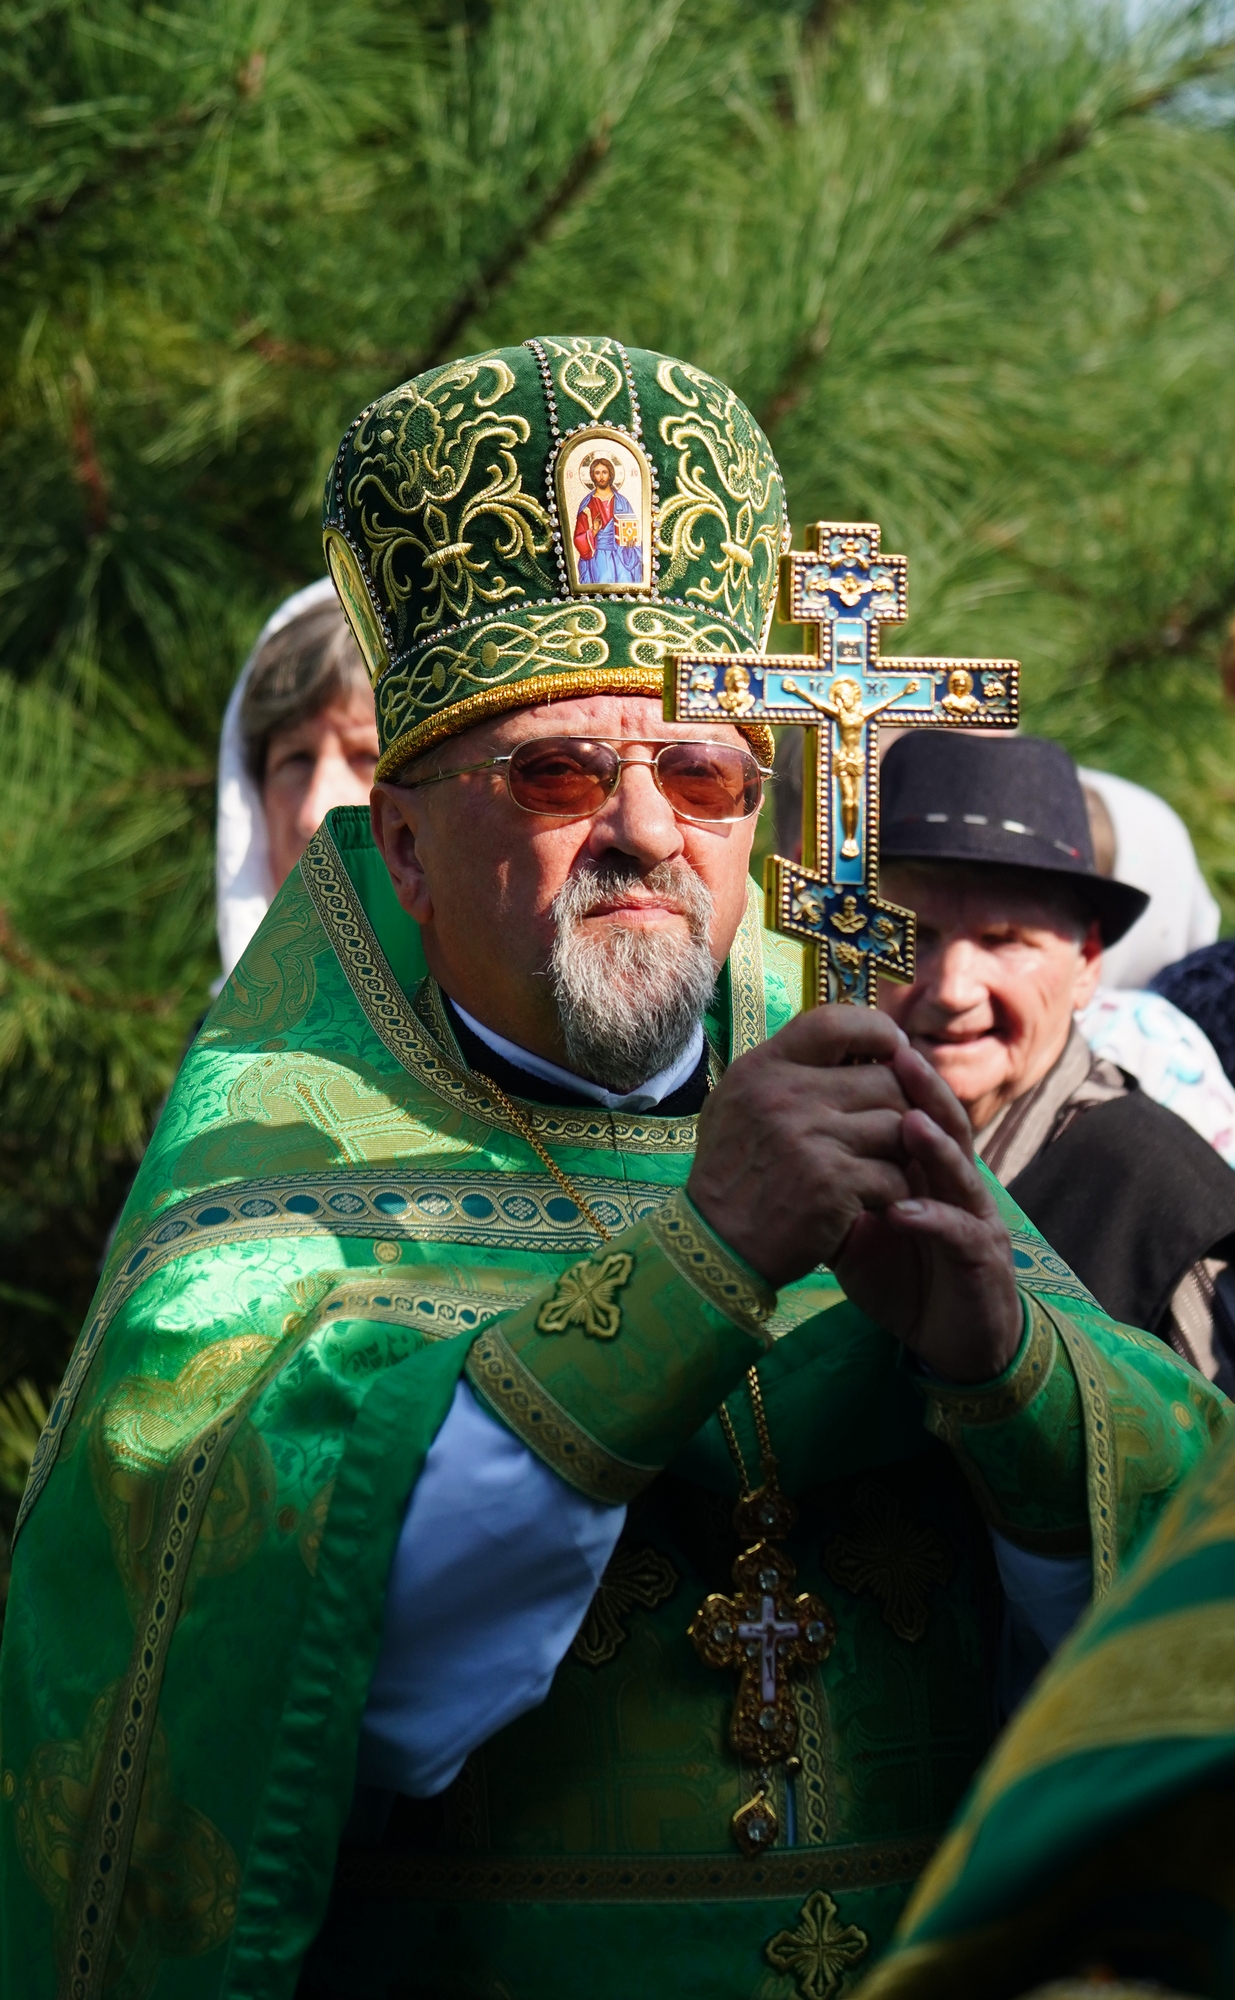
(672, 884)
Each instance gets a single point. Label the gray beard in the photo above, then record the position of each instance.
(629, 999)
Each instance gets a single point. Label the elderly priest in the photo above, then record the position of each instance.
(565, 1455)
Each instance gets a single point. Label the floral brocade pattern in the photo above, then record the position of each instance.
(438, 495)
(720, 527)
(819, 1950)
(183, 1880)
(219, 1492)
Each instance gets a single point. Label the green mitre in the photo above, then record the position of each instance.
(551, 520)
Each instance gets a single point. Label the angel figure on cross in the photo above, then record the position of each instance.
(846, 711)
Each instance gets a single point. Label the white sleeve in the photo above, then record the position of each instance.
(496, 1563)
(1045, 1597)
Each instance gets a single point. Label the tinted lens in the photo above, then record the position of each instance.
(562, 774)
(709, 780)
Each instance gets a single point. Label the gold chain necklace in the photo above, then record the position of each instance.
(524, 1129)
(761, 1631)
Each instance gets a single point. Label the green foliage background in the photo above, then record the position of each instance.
(972, 261)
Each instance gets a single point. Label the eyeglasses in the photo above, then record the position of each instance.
(571, 777)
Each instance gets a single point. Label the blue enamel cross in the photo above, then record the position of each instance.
(830, 900)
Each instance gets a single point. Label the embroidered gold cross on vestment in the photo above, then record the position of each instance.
(846, 590)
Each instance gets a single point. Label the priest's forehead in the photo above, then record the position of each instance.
(624, 718)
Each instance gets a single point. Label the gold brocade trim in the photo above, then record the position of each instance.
(424, 1306)
(748, 1006)
(495, 1211)
(1035, 1266)
(952, 1407)
(527, 693)
(393, 1019)
(1100, 1446)
(102, 1869)
(712, 1269)
(526, 1407)
(184, 1875)
(1184, 1845)
(682, 1878)
(813, 1787)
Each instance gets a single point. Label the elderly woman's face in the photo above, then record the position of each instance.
(325, 761)
(1000, 972)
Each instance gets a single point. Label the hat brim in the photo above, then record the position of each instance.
(1116, 905)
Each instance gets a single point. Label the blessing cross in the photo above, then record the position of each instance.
(830, 900)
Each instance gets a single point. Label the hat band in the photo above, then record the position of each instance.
(983, 819)
(545, 651)
(477, 708)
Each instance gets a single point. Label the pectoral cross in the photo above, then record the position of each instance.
(830, 900)
(762, 1631)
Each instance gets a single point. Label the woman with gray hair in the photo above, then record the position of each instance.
(299, 737)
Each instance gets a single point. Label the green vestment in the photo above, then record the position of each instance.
(334, 1219)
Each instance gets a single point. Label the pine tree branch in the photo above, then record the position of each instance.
(87, 471)
(1074, 139)
(492, 279)
(1066, 144)
(16, 952)
(159, 143)
(499, 272)
(1181, 632)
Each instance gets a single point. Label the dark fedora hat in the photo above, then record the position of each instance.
(1009, 802)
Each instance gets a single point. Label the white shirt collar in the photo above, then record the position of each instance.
(647, 1096)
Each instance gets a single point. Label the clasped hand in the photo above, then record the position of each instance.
(836, 1143)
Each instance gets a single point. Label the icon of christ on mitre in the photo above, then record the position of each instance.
(606, 527)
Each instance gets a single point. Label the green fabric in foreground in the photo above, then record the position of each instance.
(1102, 1829)
(334, 1218)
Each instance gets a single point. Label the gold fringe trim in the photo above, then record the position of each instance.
(711, 1268)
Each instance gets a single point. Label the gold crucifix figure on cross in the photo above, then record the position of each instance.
(830, 900)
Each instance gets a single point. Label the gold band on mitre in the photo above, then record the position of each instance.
(477, 708)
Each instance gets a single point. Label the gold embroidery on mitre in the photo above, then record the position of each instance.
(725, 498)
(586, 1296)
(183, 1880)
(819, 1951)
(633, 1578)
(588, 375)
(896, 1559)
(358, 607)
(411, 490)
